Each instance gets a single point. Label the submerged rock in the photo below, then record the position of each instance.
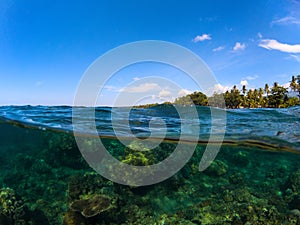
(12, 207)
(138, 154)
(217, 168)
(241, 158)
(295, 212)
(93, 205)
(293, 182)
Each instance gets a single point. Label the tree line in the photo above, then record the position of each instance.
(267, 97)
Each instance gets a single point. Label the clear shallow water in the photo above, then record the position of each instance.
(43, 172)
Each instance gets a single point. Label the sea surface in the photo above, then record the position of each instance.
(44, 179)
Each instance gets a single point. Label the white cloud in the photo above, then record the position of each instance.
(218, 88)
(164, 93)
(252, 77)
(272, 44)
(142, 88)
(296, 57)
(244, 82)
(220, 48)
(183, 92)
(136, 78)
(238, 46)
(286, 20)
(259, 35)
(286, 85)
(202, 37)
(109, 88)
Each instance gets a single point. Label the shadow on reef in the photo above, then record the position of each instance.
(15, 212)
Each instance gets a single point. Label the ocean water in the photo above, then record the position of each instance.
(44, 179)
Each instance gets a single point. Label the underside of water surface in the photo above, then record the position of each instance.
(45, 180)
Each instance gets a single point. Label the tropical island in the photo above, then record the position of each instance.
(276, 96)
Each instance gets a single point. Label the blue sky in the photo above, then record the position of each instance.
(46, 46)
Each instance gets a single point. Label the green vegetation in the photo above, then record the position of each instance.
(274, 97)
(198, 98)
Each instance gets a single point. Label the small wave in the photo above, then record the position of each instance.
(269, 125)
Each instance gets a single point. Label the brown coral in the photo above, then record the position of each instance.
(92, 206)
(73, 218)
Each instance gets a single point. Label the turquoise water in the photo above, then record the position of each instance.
(44, 179)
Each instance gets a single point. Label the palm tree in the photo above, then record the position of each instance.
(244, 89)
(293, 84)
(267, 90)
(244, 95)
(233, 98)
(255, 97)
(279, 95)
(250, 99)
(298, 85)
(260, 92)
(260, 97)
(234, 89)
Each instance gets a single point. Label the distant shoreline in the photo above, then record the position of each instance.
(274, 97)
(167, 103)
